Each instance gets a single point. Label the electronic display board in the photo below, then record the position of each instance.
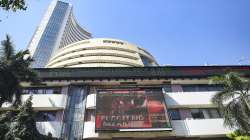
(132, 109)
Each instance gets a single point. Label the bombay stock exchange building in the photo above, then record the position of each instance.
(57, 29)
(59, 38)
(101, 88)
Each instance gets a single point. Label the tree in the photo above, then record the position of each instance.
(14, 67)
(24, 125)
(5, 120)
(237, 135)
(13, 5)
(234, 101)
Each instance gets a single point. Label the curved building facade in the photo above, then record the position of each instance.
(57, 29)
(73, 32)
(101, 52)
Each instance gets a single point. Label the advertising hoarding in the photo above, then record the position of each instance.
(131, 109)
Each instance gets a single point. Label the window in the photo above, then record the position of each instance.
(213, 113)
(145, 61)
(189, 88)
(167, 88)
(92, 90)
(43, 90)
(174, 114)
(114, 42)
(204, 87)
(197, 114)
(90, 115)
(56, 90)
(45, 116)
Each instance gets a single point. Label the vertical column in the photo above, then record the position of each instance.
(74, 113)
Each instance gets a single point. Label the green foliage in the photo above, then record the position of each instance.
(5, 119)
(21, 126)
(24, 126)
(13, 5)
(236, 135)
(234, 101)
(14, 67)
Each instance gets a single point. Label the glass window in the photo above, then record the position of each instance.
(197, 114)
(201, 87)
(189, 88)
(90, 115)
(33, 91)
(57, 91)
(215, 88)
(42, 90)
(145, 61)
(45, 116)
(174, 114)
(214, 113)
(167, 88)
(49, 36)
(49, 91)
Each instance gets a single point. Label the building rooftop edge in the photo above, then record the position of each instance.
(153, 67)
(166, 72)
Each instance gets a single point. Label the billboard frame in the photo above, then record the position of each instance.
(137, 129)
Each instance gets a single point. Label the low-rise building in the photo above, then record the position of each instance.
(172, 102)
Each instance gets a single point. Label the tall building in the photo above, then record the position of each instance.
(57, 29)
(59, 41)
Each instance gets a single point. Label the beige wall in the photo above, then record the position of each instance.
(100, 52)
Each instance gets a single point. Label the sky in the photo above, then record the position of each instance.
(175, 32)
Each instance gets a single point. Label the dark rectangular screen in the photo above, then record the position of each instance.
(138, 108)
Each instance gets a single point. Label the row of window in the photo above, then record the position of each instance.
(49, 36)
(47, 90)
(185, 88)
(181, 114)
(46, 116)
(101, 62)
(92, 48)
(98, 55)
(114, 42)
(192, 88)
(175, 114)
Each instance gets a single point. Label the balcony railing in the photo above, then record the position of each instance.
(202, 127)
(189, 99)
(45, 101)
(90, 133)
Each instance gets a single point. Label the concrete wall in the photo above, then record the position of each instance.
(45, 101)
(189, 99)
(203, 127)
